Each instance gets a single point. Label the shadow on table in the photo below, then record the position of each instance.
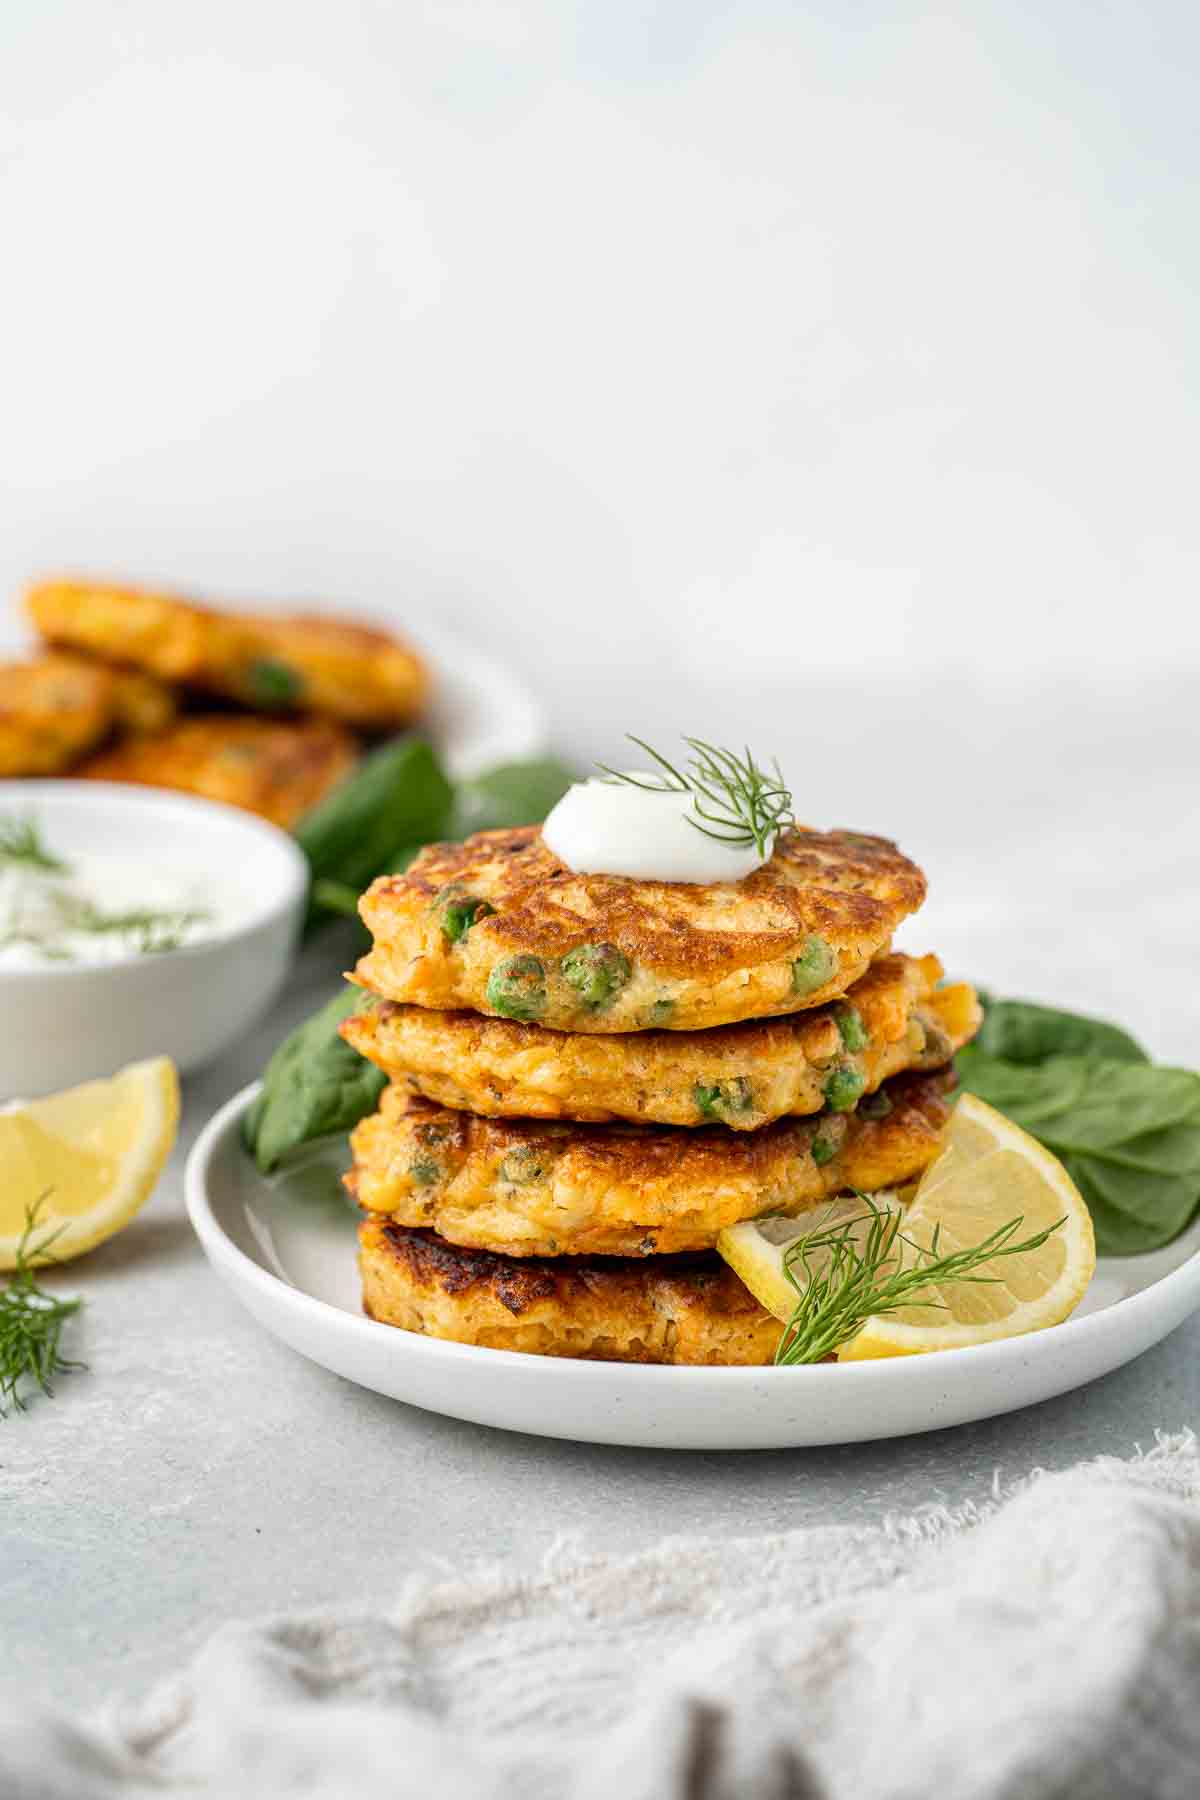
(638, 1495)
(148, 1241)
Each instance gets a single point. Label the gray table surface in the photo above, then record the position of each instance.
(200, 1470)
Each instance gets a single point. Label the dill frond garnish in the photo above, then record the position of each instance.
(840, 1286)
(150, 932)
(47, 918)
(43, 912)
(735, 801)
(21, 842)
(31, 1322)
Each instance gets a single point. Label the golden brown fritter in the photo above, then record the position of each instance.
(158, 633)
(669, 1309)
(743, 1076)
(300, 663)
(277, 768)
(51, 712)
(328, 666)
(140, 703)
(499, 925)
(528, 1189)
(54, 709)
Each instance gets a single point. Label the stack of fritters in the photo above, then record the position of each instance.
(284, 701)
(589, 1077)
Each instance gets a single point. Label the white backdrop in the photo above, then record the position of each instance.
(822, 373)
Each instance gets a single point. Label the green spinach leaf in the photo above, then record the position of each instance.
(313, 1086)
(1128, 1133)
(398, 799)
(1023, 1032)
(517, 793)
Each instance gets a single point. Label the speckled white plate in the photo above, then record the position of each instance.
(286, 1245)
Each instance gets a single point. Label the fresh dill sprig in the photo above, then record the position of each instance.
(153, 932)
(841, 1286)
(21, 842)
(734, 799)
(44, 912)
(31, 1321)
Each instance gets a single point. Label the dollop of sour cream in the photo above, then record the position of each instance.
(602, 827)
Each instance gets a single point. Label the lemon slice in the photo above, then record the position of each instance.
(755, 1249)
(989, 1173)
(87, 1158)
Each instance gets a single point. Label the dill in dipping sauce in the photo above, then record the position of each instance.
(90, 909)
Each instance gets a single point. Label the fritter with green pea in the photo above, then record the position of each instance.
(55, 709)
(498, 925)
(744, 1076)
(271, 663)
(277, 768)
(525, 1188)
(330, 666)
(669, 1309)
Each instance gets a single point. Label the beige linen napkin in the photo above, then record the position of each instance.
(1044, 1643)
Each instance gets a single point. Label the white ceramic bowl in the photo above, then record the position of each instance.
(68, 1022)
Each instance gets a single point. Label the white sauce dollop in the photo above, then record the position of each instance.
(608, 828)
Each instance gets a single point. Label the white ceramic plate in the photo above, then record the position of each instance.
(285, 1246)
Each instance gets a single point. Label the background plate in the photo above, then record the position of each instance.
(285, 1245)
(479, 713)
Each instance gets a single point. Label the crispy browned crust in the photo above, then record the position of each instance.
(713, 953)
(670, 1309)
(277, 768)
(522, 1188)
(301, 663)
(768, 1069)
(54, 709)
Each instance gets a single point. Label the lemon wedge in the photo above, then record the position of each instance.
(989, 1173)
(88, 1159)
(755, 1249)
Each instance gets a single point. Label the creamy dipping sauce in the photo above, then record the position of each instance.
(98, 908)
(604, 827)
